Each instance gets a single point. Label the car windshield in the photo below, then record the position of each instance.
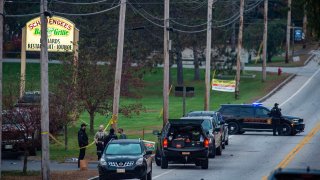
(123, 149)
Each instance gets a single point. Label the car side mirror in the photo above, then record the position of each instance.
(156, 132)
(148, 152)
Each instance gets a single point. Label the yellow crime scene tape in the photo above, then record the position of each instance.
(111, 121)
(161, 111)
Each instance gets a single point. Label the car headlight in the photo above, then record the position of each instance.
(103, 162)
(139, 161)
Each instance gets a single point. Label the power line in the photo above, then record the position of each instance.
(87, 14)
(82, 3)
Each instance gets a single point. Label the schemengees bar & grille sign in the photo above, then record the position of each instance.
(60, 34)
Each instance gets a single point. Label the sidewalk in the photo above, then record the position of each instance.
(35, 165)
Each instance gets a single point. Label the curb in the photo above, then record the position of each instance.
(309, 59)
(277, 88)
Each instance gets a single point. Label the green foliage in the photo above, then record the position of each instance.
(253, 35)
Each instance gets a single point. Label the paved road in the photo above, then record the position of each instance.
(254, 155)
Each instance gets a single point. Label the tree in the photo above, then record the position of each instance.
(22, 126)
(313, 7)
(276, 34)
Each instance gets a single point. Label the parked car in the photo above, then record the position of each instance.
(255, 117)
(183, 141)
(214, 131)
(125, 159)
(18, 135)
(217, 119)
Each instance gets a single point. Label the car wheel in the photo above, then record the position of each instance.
(145, 177)
(158, 158)
(212, 153)
(233, 128)
(219, 150)
(224, 145)
(205, 164)
(149, 176)
(102, 177)
(32, 151)
(227, 141)
(285, 130)
(198, 163)
(164, 163)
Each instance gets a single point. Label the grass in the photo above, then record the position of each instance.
(134, 126)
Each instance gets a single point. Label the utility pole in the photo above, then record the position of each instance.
(288, 32)
(305, 23)
(45, 158)
(1, 59)
(233, 35)
(208, 57)
(239, 49)
(117, 78)
(265, 40)
(166, 63)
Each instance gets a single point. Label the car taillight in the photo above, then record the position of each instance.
(165, 142)
(206, 143)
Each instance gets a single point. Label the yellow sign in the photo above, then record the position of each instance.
(60, 34)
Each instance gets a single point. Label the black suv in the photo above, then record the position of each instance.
(218, 122)
(255, 117)
(183, 141)
(125, 159)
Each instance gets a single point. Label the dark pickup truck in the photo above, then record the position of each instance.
(183, 141)
(255, 117)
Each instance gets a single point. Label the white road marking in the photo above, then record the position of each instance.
(167, 172)
(301, 88)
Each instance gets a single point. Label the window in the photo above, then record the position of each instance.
(262, 112)
(230, 111)
(206, 124)
(247, 112)
(123, 149)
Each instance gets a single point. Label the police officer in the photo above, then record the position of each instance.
(99, 138)
(276, 117)
(110, 136)
(83, 142)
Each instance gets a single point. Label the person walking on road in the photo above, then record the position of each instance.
(122, 134)
(276, 117)
(83, 142)
(109, 137)
(99, 140)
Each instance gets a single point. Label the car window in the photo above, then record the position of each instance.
(123, 149)
(207, 125)
(230, 111)
(215, 121)
(246, 111)
(262, 112)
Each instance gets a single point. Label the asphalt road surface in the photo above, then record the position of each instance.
(253, 155)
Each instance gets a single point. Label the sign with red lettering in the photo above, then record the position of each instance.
(60, 34)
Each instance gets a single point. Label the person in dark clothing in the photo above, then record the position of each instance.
(122, 134)
(83, 142)
(110, 136)
(276, 117)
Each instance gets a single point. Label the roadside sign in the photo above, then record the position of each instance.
(223, 85)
